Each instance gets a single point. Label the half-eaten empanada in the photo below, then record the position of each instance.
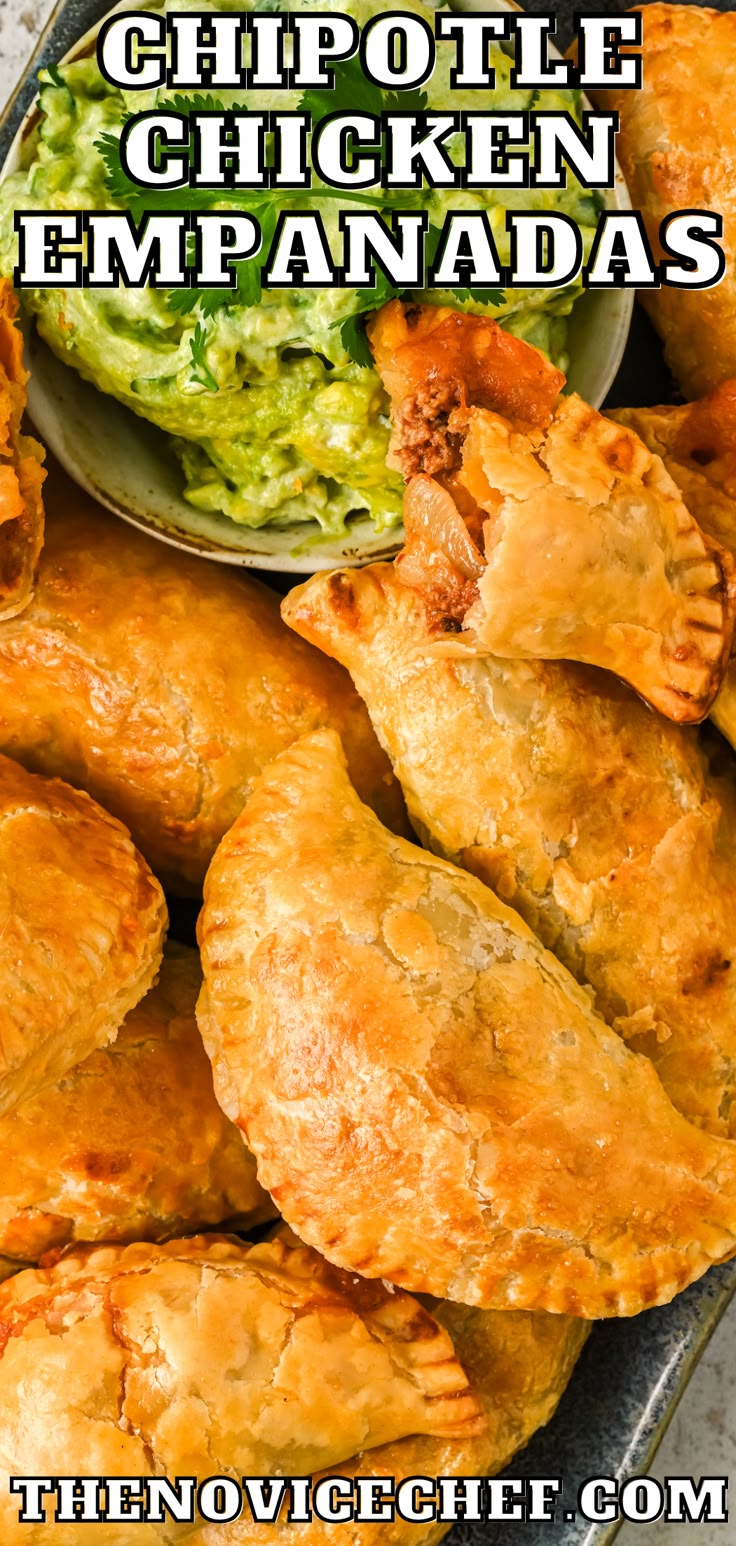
(435, 363)
(591, 554)
(429, 1095)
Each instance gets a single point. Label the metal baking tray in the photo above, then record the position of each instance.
(632, 1373)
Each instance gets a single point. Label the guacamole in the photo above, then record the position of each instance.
(270, 417)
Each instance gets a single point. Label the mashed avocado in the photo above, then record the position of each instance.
(271, 419)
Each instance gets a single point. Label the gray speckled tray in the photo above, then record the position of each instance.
(632, 1374)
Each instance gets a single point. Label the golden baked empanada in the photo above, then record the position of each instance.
(433, 362)
(208, 1356)
(82, 921)
(697, 443)
(429, 1095)
(21, 470)
(518, 1363)
(131, 1144)
(162, 685)
(677, 150)
(589, 553)
(595, 818)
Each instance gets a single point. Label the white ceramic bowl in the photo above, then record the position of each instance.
(126, 463)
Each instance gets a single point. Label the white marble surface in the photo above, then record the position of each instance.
(702, 1438)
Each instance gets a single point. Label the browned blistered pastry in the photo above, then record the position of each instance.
(21, 470)
(82, 921)
(588, 552)
(163, 685)
(429, 1095)
(208, 1356)
(677, 150)
(519, 1364)
(434, 362)
(697, 443)
(131, 1144)
(595, 818)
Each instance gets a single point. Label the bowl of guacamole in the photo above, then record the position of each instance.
(250, 425)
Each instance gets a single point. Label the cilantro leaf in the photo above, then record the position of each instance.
(355, 341)
(352, 329)
(352, 93)
(197, 103)
(117, 181)
(480, 297)
(461, 293)
(411, 101)
(183, 301)
(201, 372)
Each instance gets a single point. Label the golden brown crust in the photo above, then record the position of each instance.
(82, 921)
(591, 554)
(21, 470)
(434, 362)
(163, 685)
(207, 1356)
(697, 443)
(131, 1144)
(518, 1363)
(677, 150)
(596, 819)
(429, 1095)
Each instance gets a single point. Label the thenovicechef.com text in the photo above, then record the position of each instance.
(345, 1499)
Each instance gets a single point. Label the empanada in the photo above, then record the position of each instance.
(519, 1364)
(162, 685)
(131, 1144)
(595, 818)
(82, 921)
(697, 443)
(208, 1356)
(429, 1095)
(21, 470)
(677, 150)
(588, 552)
(433, 362)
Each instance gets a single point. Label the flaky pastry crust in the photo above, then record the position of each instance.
(163, 685)
(208, 1356)
(82, 921)
(596, 819)
(21, 470)
(697, 443)
(677, 150)
(590, 553)
(429, 1095)
(131, 1144)
(518, 1363)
